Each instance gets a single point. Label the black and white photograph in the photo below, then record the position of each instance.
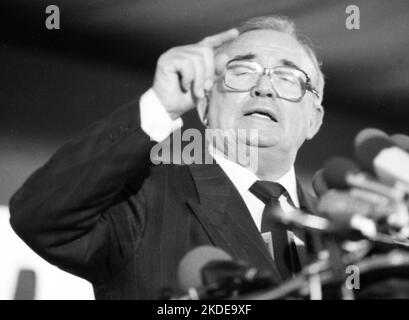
(229, 150)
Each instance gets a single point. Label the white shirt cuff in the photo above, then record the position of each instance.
(155, 120)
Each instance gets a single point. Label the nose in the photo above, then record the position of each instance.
(263, 89)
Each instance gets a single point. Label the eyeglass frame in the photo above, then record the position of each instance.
(306, 86)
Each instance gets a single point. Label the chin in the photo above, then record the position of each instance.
(268, 133)
(261, 141)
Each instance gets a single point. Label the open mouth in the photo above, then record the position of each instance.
(262, 114)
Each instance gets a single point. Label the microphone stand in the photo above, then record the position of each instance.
(309, 280)
(337, 266)
(309, 273)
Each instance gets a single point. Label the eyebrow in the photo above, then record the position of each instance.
(252, 56)
(248, 56)
(289, 63)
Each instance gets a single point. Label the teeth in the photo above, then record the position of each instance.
(260, 115)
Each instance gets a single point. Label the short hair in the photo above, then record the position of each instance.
(285, 25)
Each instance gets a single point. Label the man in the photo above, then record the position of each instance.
(99, 209)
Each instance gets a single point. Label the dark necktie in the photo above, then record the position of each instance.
(285, 255)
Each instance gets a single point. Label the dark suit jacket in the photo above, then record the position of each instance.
(100, 210)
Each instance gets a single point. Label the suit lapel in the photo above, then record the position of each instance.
(307, 202)
(308, 205)
(226, 219)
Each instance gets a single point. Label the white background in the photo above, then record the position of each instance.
(51, 282)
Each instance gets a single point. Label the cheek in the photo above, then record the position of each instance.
(297, 123)
(225, 108)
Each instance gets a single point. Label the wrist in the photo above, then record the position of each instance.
(173, 113)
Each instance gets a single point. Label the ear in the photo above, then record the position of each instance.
(315, 121)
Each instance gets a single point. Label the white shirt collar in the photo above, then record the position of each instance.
(243, 178)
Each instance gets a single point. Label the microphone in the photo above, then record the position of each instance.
(377, 154)
(342, 173)
(189, 269)
(367, 133)
(338, 212)
(342, 219)
(302, 220)
(319, 184)
(351, 214)
(216, 275)
(383, 202)
(235, 276)
(26, 285)
(401, 140)
(347, 213)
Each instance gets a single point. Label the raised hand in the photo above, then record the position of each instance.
(184, 73)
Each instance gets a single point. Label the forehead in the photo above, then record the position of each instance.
(270, 47)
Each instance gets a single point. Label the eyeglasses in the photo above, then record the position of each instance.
(289, 83)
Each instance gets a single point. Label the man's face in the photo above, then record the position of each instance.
(293, 121)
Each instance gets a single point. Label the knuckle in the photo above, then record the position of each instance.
(188, 70)
(188, 63)
(197, 62)
(207, 50)
(201, 59)
(162, 57)
(176, 49)
(205, 39)
(165, 57)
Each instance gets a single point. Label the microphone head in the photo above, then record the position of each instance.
(336, 171)
(368, 133)
(217, 271)
(401, 140)
(343, 210)
(318, 183)
(191, 265)
(367, 149)
(336, 205)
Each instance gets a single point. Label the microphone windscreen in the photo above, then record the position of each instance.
(401, 140)
(318, 183)
(336, 171)
(191, 265)
(368, 149)
(340, 207)
(368, 133)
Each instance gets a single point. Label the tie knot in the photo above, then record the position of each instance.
(265, 190)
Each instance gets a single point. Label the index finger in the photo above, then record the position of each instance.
(219, 39)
